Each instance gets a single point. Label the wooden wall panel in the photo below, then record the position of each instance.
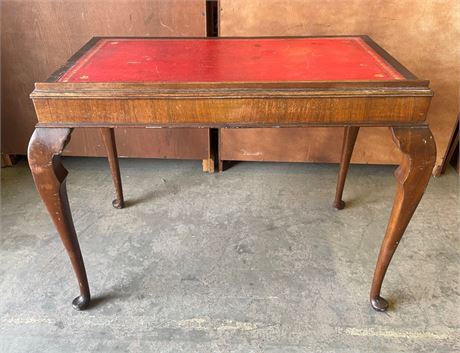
(321, 145)
(423, 35)
(39, 35)
(141, 143)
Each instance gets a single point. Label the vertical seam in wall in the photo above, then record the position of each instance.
(212, 23)
(212, 31)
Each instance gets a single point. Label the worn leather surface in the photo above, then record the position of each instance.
(230, 60)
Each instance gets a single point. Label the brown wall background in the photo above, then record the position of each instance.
(38, 36)
(422, 35)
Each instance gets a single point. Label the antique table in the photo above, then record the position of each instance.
(344, 81)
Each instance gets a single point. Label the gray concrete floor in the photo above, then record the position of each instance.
(251, 260)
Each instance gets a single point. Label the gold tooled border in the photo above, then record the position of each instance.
(381, 61)
(82, 61)
(384, 65)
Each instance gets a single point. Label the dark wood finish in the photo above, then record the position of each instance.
(39, 35)
(331, 108)
(108, 137)
(419, 156)
(395, 25)
(44, 152)
(401, 105)
(349, 139)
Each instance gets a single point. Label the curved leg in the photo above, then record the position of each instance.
(45, 148)
(419, 155)
(349, 139)
(108, 137)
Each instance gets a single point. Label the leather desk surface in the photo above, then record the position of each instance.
(245, 82)
(230, 60)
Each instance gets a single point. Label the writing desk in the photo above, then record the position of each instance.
(251, 82)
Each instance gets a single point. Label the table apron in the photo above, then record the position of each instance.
(235, 112)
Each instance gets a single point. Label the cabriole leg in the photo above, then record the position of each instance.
(108, 137)
(44, 154)
(349, 139)
(419, 156)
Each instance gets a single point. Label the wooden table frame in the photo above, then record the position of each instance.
(401, 105)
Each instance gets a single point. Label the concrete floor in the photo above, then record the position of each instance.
(251, 260)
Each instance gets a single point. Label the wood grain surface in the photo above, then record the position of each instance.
(241, 111)
(423, 35)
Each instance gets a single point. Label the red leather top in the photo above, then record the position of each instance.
(230, 60)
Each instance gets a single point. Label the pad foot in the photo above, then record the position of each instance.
(118, 204)
(81, 302)
(379, 304)
(340, 205)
